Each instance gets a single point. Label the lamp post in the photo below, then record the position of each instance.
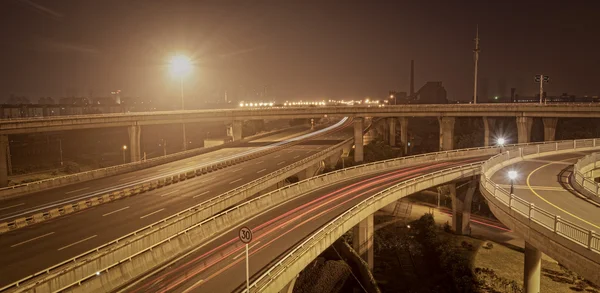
(512, 175)
(124, 149)
(180, 66)
(501, 141)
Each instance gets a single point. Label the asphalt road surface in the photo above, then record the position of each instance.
(32, 249)
(544, 182)
(219, 265)
(11, 209)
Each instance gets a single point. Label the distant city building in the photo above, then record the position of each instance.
(431, 93)
(79, 101)
(116, 96)
(46, 101)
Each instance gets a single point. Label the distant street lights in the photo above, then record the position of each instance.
(180, 66)
(124, 149)
(512, 175)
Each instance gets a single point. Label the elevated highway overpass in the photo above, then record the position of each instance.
(63, 238)
(233, 118)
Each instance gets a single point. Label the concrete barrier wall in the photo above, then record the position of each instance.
(303, 254)
(575, 247)
(27, 188)
(133, 189)
(145, 242)
(582, 178)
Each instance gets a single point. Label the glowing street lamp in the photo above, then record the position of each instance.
(124, 149)
(180, 66)
(512, 175)
(501, 141)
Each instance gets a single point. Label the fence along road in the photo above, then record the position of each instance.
(112, 224)
(582, 177)
(189, 230)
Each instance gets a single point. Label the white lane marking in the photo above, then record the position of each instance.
(261, 171)
(298, 156)
(110, 213)
(290, 152)
(169, 192)
(74, 243)
(192, 163)
(236, 170)
(12, 206)
(152, 213)
(35, 238)
(76, 190)
(164, 169)
(189, 289)
(127, 178)
(234, 181)
(244, 252)
(260, 162)
(275, 157)
(282, 162)
(203, 193)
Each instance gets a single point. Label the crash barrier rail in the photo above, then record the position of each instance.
(45, 184)
(582, 178)
(134, 188)
(294, 261)
(134, 246)
(163, 231)
(287, 268)
(561, 227)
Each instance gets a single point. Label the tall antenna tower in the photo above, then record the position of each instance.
(476, 52)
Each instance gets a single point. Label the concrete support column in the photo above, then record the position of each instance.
(134, 132)
(550, 128)
(4, 160)
(533, 267)
(331, 162)
(404, 134)
(289, 288)
(307, 173)
(524, 129)
(235, 130)
(392, 127)
(358, 140)
(362, 240)
(446, 133)
(461, 207)
(488, 126)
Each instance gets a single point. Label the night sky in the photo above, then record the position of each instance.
(300, 49)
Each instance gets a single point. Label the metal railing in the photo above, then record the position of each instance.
(583, 182)
(180, 216)
(553, 222)
(347, 219)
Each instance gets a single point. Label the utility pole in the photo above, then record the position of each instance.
(476, 52)
(541, 87)
(541, 79)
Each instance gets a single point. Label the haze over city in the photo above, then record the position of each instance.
(297, 49)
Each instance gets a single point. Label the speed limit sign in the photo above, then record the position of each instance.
(245, 234)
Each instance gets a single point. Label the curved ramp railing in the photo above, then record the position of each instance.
(581, 178)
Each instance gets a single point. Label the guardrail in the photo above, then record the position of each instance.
(45, 184)
(288, 267)
(581, 178)
(147, 184)
(144, 241)
(576, 247)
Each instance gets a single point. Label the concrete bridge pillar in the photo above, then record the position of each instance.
(289, 288)
(134, 132)
(235, 130)
(307, 173)
(4, 160)
(404, 134)
(550, 128)
(446, 133)
(533, 268)
(524, 129)
(488, 127)
(331, 162)
(392, 127)
(358, 140)
(362, 240)
(461, 207)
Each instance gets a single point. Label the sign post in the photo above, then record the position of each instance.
(246, 236)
